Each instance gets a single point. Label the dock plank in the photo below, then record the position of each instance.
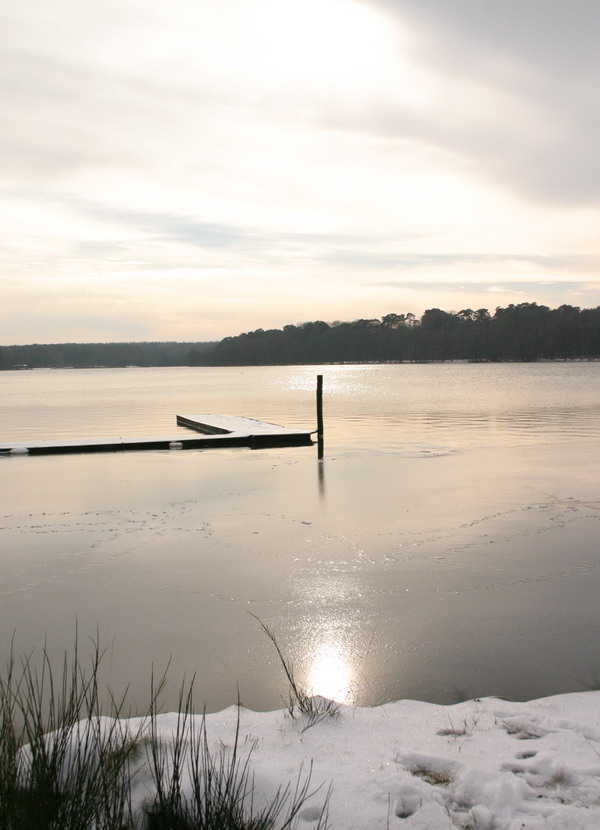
(220, 424)
(213, 431)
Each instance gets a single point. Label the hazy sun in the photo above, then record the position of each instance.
(325, 41)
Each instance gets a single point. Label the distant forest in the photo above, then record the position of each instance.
(523, 332)
(91, 355)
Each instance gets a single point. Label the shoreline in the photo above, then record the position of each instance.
(478, 765)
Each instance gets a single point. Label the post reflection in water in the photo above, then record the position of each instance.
(321, 473)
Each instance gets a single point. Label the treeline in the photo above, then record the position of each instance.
(521, 332)
(111, 355)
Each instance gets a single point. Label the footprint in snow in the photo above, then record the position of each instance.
(525, 729)
(311, 814)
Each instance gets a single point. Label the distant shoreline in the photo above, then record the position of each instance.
(309, 363)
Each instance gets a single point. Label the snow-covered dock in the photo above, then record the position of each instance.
(213, 431)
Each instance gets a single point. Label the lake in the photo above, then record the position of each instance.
(445, 548)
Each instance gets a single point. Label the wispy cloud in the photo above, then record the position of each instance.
(513, 97)
(193, 169)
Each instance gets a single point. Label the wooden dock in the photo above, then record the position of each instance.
(213, 431)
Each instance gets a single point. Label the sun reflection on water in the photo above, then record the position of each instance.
(330, 672)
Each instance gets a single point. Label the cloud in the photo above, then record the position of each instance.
(513, 95)
(476, 294)
(255, 162)
(403, 259)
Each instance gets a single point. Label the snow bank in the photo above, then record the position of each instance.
(486, 764)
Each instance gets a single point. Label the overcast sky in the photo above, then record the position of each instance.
(192, 169)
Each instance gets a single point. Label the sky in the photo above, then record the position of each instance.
(192, 169)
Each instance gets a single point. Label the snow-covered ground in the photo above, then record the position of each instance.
(486, 764)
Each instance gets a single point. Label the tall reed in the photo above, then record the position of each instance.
(62, 763)
(67, 765)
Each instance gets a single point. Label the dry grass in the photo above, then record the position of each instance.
(66, 765)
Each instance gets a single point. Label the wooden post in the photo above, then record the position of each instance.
(320, 415)
(320, 405)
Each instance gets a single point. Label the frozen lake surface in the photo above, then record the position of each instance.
(446, 548)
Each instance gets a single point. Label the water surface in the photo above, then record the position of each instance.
(445, 548)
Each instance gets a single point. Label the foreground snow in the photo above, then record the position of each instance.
(484, 764)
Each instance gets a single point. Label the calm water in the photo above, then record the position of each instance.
(447, 546)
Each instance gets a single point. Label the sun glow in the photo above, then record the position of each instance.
(330, 673)
(326, 41)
